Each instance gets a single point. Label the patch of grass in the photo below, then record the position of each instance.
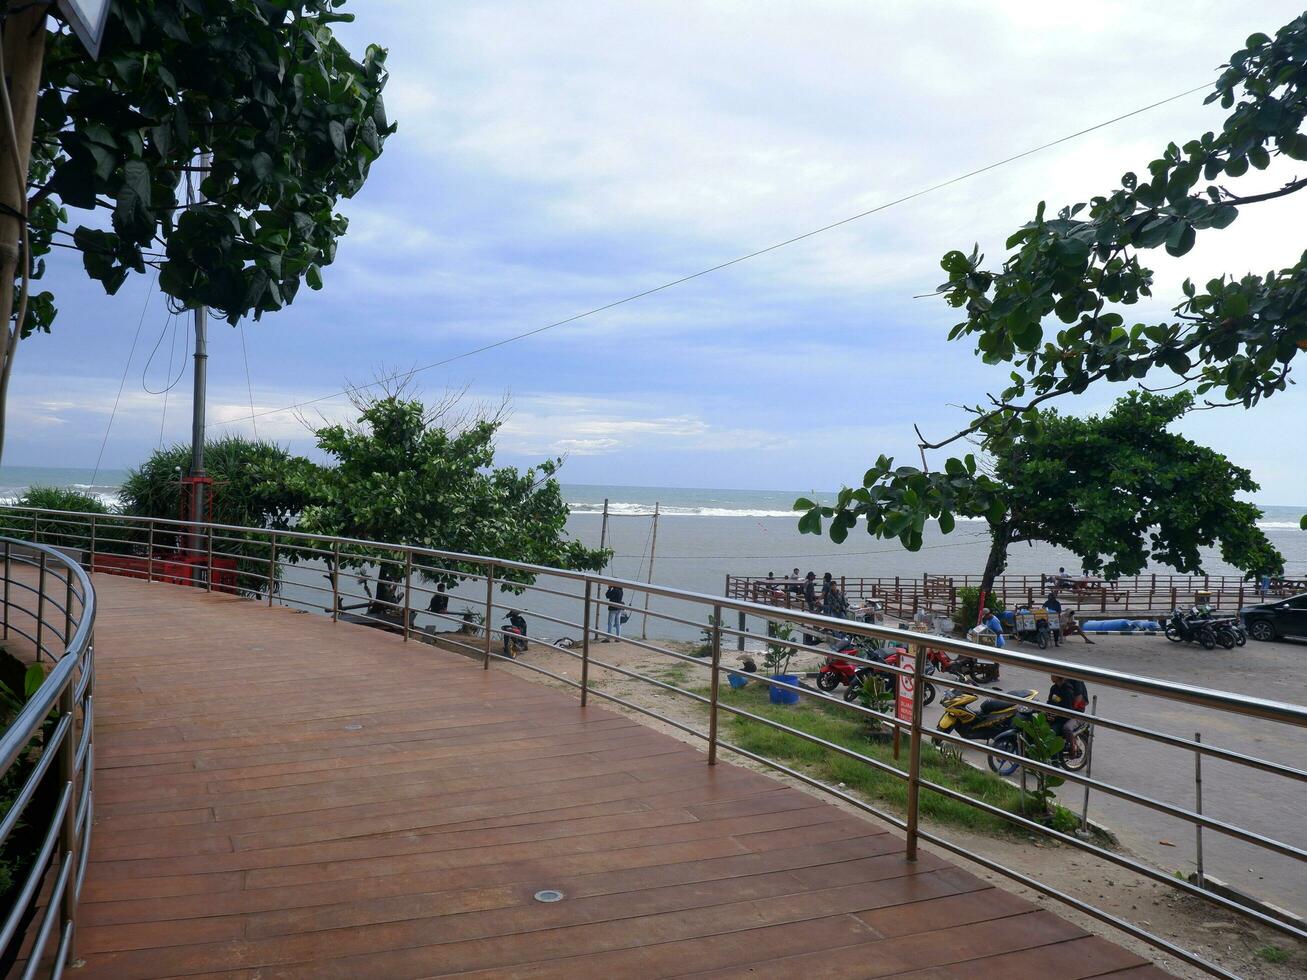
(1273, 954)
(677, 675)
(849, 730)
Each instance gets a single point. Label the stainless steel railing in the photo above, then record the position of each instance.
(47, 756)
(397, 581)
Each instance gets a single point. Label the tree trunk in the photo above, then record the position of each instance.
(24, 50)
(1000, 538)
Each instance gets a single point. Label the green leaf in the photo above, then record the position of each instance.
(1181, 239)
(946, 522)
(33, 678)
(810, 523)
(803, 503)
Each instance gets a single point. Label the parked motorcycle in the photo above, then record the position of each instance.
(1201, 629)
(1071, 758)
(969, 670)
(888, 679)
(515, 640)
(837, 670)
(979, 720)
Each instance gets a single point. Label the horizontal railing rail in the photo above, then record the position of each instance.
(398, 587)
(47, 748)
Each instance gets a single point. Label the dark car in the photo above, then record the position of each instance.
(1269, 620)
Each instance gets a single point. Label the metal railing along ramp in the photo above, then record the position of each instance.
(396, 587)
(46, 754)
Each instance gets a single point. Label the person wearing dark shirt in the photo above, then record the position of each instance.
(1069, 693)
(1054, 608)
(614, 596)
(810, 592)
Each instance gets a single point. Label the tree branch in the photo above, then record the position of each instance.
(1287, 189)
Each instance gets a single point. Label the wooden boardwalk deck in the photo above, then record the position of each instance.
(281, 796)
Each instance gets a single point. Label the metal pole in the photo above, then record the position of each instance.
(335, 581)
(68, 607)
(194, 198)
(1198, 808)
(603, 540)
(209, 558)
(716, 683)
(149, 554)
(490, 599)
(653, 547)
(585, 646)
(408, 585)
(1089, 771)
(8, 568)
(68, 832)
(91, 568)
(40, 606)
(739, 640)
(914, 748)
(272, 567)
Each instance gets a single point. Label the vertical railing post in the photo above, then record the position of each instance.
(1198, 809)
(209, 559)
(716, 683)
(91, 563)
(68, 831)
(272, 566)
(149, 553)
(36, 530)
(490, 599)
(68, 606)
(739, 645)
(585, 645)
(914, 749)
(40, 605)
(335, 581)
(1089, 771)
(408, 588)
(8, 570)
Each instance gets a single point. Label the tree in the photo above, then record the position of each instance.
(423, 475)
(1235, 335)
(253, 483)
(255, 98)
(1120, 491)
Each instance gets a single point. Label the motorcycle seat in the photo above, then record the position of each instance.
(996, 704)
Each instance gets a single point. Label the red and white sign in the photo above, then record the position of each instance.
(907, 684)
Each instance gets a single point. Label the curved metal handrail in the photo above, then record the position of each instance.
(65, 754)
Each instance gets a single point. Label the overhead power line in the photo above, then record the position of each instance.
(296, 406)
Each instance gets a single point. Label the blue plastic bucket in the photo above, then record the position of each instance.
(779, 695)
(737, 680)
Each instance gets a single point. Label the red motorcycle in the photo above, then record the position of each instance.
(889, 679)
(837, 670)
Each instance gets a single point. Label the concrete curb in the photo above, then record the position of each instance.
(1218, 886)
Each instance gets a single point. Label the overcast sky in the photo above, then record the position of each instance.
(554, 157)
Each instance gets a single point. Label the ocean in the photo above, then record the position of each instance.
(703, 535)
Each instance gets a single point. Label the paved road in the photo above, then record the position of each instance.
(1271, 805)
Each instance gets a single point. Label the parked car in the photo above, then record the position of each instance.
(1270, 620)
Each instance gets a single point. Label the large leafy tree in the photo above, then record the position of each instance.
(1055, 309)
(255, 100)
(1119, 490)
(414, 474)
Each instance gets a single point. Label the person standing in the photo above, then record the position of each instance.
(614, 595)
(1054, 607)
(810, 592)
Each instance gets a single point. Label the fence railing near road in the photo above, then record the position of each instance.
(395, 586)
(906, 595)
(46, 755)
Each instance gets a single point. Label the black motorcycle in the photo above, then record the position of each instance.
(1201, 628)
(515, 641)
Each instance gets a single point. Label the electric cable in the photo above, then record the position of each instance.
(249, 385)
(169, 322)
(149, 293)
(296, 406)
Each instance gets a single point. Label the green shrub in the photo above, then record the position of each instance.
(59, 532)
(968, 611)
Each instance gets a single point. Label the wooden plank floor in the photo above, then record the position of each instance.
(280, 796)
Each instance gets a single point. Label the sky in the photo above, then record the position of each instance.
(552, 158)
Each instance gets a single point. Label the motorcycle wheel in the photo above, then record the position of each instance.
(984, 673)
(828, 680)
(1173, 633)
(854, 690)
(1042, 639)
(929, 693)
(1226, 639)
(1207, 637)
(1240, 637)
(1086, 739)
(1007, 741)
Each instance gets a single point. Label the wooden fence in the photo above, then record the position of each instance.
(938, 594)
